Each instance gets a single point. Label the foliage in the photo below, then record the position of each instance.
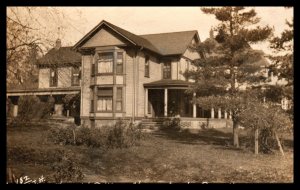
(30, 107)
(120, 135)
(172, 123)
(230, 62)
(67, 170)
(268, 118)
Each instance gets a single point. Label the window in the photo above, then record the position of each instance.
(53, 77)
(92, 100)
(167, 70)
(119, 99)
(119, 63)
(75, 76)
(104, 101)
(105, 62)
(147, 66)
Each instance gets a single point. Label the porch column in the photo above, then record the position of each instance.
(166, 103)
(14, 101)
(146, 101)
(212, 113)
(68, 113)
(219, 113)
(230, 115)
(225, 114)
(194, 107)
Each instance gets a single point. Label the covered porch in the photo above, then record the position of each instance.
(168, 98)
(44, 95)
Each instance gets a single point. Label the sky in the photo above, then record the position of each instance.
(147, 20)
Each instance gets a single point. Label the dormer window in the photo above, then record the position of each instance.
(53, 77)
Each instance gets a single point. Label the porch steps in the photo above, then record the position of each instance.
(152, 123)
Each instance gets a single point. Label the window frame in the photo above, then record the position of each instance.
(116, 62)
(98, 59)
(119, 99)
(55, 69)
(105, 97)
(170, 70)
(72, 77)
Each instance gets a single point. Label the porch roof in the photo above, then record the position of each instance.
(168, 83)
(44, 91)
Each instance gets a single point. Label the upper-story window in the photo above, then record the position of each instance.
(105, 62)
(147, 71)
(119, 63)
(53, 77)
(75, 76)
(167, 70)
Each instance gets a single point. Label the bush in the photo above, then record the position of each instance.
(172, 124)
(120, 135)
(67, 169)
(61, 135)
(30, 107)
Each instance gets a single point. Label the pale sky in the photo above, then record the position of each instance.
(147, 20)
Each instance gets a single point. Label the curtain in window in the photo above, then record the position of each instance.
(105, 63)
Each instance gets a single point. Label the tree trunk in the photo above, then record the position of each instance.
(235, 135)
(74, 137)
(256, 141)
(279, 144)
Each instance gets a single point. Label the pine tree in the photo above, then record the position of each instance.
(230, 62)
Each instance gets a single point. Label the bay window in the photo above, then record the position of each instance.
(105, 98)
(105, 62)
(119, 67)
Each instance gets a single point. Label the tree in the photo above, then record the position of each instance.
(265, 118)
(283, 60)
(29, 35)
(231, 64)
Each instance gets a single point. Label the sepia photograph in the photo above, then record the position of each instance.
(105, 95)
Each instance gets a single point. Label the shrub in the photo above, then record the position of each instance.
(172, 123)
(120, 135)
(30, 107)
(67, 169)
(61, 135)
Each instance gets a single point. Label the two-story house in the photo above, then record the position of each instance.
(59, 75)
(135, 76)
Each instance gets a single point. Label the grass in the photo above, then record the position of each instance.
(164, 156)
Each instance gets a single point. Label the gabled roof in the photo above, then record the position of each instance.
(162, 43)
(171, 43)
(64, 55)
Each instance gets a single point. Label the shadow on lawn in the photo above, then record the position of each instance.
(204, 136)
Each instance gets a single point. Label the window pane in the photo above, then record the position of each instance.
(119, 106)
(119, 93)
(109, 104)
(119, 99)
(105, 92)
(167, 70)
(105, 63)
(100, 104)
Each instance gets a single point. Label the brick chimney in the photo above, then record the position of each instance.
(58, 44)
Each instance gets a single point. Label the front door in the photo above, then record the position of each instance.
(156, 101)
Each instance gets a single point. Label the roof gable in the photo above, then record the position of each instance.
(163, 44)
(104, 37)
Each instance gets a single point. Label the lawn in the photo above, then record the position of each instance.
(163, 156)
